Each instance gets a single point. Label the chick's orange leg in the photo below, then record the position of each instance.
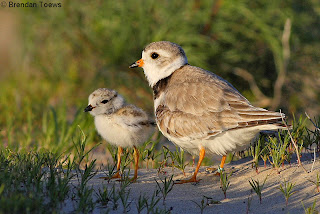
(194, 176)
(136, 163)
(117, 175)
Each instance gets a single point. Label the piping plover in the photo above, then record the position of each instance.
(118, 123)
(198, 110)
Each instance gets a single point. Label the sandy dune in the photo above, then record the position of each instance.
(238, 195)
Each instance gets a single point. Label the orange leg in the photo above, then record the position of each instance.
(194, 176)
(223, 160)
(117, 175)
(136, 161)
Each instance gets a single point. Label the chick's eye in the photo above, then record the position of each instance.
(154, 55)
(104, 101)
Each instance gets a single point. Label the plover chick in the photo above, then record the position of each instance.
(198, 110)
(119, 124)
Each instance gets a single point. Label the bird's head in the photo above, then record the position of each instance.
(160, 59)
(104, 101)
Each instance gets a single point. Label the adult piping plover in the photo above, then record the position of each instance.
(198, 110)
(118, 123)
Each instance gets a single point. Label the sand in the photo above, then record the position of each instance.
(239, 199)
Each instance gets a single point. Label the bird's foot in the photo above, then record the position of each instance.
(193, 179)
(130, 180)
(219, 171)
(115, 176)
(133, 180)
(215, 171)
(211, 169)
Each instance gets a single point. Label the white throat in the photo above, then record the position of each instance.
(155, 73)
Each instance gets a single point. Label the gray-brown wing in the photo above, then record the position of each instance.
(134, 116)
(207, 109)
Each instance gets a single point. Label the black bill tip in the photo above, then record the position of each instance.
(134, 65)
(88, 108)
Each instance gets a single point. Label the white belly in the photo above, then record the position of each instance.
(231, 141)
(120, 135)
(226, 142)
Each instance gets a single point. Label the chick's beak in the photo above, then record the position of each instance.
(88, 108)
(138, 63)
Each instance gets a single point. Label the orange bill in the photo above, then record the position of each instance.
(138, 63)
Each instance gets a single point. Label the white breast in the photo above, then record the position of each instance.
(118, 134)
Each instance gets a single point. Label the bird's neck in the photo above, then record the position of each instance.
(156, 74)
(161, 85)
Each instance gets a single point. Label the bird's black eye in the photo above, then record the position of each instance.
(104, 101)
(154, 55)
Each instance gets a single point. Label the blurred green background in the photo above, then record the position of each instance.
(53, 58)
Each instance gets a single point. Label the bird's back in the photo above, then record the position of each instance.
(195, 105)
